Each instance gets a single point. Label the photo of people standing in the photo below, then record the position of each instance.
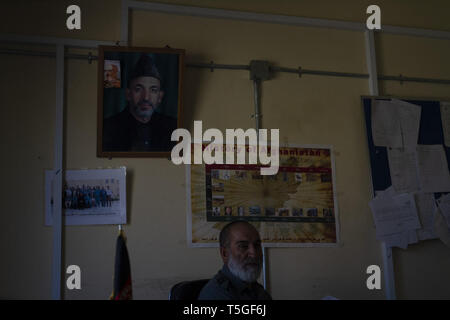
(95, 195)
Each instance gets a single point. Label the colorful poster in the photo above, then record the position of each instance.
(296, 207)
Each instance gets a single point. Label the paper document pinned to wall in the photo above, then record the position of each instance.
(396, 240)
(426, 207)
(401, 240)
(396, 218)
(389, 192)
(394, 214)
(403, 170)
(432, 167)
(445, 118)
(412, 236)
(386, 129)
(409, 122)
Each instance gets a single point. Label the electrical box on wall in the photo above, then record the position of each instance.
(260, 70)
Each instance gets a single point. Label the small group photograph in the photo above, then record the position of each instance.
(96, 196)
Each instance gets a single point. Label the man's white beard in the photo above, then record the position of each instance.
(245, 273)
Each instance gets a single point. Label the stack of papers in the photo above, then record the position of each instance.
(403, 219)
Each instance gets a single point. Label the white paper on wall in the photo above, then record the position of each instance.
(394, 214)
(409, 122)
(386, 130)
(433, 169)
(426, 207)
(403, 170)
(401, 240)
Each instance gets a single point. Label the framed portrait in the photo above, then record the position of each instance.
(139, 100)
(89, 196)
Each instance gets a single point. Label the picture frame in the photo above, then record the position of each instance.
(89, 196)
(139, 100)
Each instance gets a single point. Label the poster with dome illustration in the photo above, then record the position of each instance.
(295, 207)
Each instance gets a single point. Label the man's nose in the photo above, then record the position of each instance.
(145, 94)
(253, 251)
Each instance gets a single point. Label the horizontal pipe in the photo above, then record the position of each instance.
(413, 79)
(319, 72)
(47, 54)
(219, 66)
(213, 66)
(279, 19)
(68, 43)
(334, 74)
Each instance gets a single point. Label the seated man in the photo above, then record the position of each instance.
(241, 252)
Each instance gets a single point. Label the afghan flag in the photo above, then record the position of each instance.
(122, 273)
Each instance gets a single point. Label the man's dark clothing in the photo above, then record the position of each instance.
(226, 286)
(122, 132)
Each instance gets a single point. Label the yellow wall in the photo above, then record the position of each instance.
(307, 110)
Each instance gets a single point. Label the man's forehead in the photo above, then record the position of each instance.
(148, 81)
(244, 232)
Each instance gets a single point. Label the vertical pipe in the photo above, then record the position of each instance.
(371, 62)
(256, 85)
(264, 268)
(57, 179)
(388, 268)
(386, 252)
(256, 90)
